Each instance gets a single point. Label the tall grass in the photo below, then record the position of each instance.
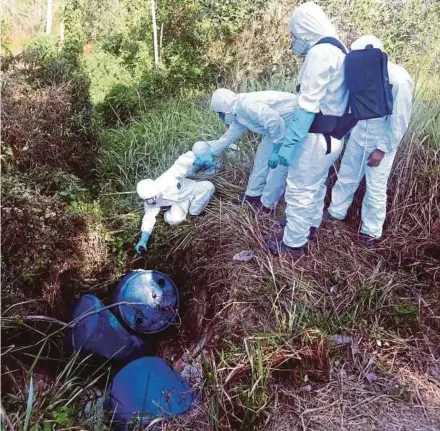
(43, 402)
(277, 317)
(425, 119)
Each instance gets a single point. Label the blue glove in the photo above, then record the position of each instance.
(203, 163)
(141, 246)
(273, 157)
(205, 160)
(285, 155)
(297, 131)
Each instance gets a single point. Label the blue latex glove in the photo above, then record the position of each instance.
(141, 246)
(203, 163)
(273, 157)
(297, 131)
(205, 160)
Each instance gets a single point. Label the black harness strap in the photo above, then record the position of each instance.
(328, 140)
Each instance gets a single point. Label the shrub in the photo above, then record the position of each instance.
(45, 48)
(120, 105)
(41, 241)
(49, 126)
(105, 71)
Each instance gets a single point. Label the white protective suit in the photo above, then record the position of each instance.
(322, 89)
(173, 189)
(379, 133)
(263, 112)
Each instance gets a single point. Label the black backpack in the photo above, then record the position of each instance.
(370, 91)
(368, 82)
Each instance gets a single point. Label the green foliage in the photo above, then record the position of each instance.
(408, 29)
(5, 39)
(45, 49)
(64, 416)
(75, 37)
(124, 80)
(120, 105)
(231, 16)
(106, 71)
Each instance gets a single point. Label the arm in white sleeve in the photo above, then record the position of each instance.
(235, 130)
(316, 74)
(269, 119)
(149, 218)
(401, 116)
(180, 169)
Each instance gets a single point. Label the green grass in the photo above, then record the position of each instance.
(150, 145)
(425, 120)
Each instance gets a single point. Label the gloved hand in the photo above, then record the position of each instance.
(204, 163)
(285, 154)
(297, 131)
(273, 157)
(141, 246)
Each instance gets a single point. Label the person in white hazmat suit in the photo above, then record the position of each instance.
(310, 155)
(263, 112)
(370, 152)
(173, 189)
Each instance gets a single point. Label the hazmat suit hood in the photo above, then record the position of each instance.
(224, 100)
(147, 188)
(364, 41)
(201, 147)
(310, 23)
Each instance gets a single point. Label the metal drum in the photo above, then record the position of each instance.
(155, 300)
(97, 330)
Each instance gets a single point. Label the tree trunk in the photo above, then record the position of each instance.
(160, 39)
(49, 17)
(156, 49)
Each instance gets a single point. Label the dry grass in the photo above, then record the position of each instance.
(263, 328)
(269, 359)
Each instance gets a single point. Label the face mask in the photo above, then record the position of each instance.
(229, 118)
(226, 118)
(299, 46)
(151, 201)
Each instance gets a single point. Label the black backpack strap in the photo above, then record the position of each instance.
(328, 141)
(333, 41)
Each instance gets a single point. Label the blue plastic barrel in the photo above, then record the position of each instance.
(99, 332)
(156, 298)
(146, 389)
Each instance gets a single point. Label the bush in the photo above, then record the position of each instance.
(41, 241)
(105, 71)
(45, 48)
(120, 105)
(49, 126)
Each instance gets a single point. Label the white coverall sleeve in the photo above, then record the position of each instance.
(235, 130)
(317, 72)
(180, 169)
(401, 116)
(149, 218)
(269, 119)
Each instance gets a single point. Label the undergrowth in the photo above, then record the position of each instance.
(346, 338)
(267, 327)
